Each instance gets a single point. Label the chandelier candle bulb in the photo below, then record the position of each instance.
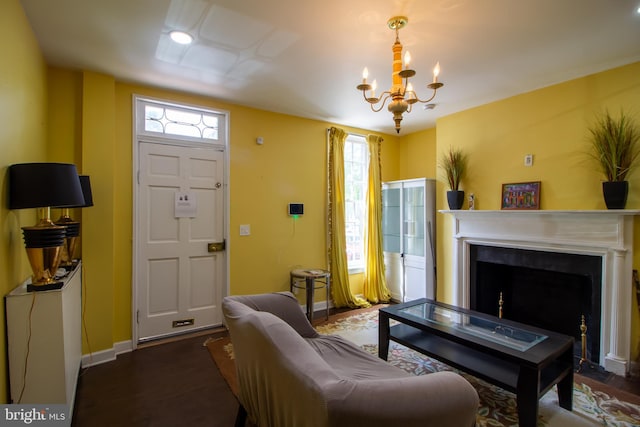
(411, 95)
(436, 72)
(365, 74)
(407, 59)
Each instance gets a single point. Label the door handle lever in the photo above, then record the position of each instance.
(216, 246)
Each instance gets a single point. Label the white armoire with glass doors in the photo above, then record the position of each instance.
(408, 228)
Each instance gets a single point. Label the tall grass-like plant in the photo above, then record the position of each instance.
(615, 145)
(454, 165)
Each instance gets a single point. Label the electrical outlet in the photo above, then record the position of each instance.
(528, 160)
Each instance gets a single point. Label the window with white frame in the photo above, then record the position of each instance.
(165, 120)
(356, 171)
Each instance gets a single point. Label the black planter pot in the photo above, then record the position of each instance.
(455, 199)
(615, 194)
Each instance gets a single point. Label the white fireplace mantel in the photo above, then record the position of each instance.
(604, 233)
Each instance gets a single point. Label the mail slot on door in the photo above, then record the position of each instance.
(215, 246)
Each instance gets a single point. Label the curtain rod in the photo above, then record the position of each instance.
(353, 133)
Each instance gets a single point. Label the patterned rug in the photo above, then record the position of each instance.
(591, 407)
(594, 404)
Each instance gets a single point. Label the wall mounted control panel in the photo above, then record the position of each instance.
(295, 209)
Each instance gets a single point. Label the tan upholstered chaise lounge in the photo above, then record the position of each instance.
(291, 376)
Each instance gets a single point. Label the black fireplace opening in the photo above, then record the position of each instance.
(549, 290)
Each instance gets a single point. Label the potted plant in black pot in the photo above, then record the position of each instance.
(615, 147)
(454, 165)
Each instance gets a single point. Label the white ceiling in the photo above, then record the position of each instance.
(305, 57)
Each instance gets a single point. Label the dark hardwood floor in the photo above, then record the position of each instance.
(170, 384)
(174, 383)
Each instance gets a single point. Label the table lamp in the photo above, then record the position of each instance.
(73, 227)
(42, 185)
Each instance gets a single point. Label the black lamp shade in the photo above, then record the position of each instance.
(85, 183)
(39, 185)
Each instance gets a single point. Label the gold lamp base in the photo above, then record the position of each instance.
(67, 251)
(70, 240)
(43, 244)
(44, 263)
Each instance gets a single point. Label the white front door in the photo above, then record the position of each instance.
(180, 271)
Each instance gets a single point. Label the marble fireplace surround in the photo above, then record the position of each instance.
(604, 233)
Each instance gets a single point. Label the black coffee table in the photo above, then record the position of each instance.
(519, 358)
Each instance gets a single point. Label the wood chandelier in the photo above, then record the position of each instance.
(401, 95)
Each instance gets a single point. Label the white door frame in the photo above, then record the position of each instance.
(137, 138)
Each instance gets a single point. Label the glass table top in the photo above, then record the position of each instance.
(490, 330)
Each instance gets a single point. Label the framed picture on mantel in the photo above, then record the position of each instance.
(521, 196)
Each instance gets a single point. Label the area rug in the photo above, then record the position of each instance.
(594, 403)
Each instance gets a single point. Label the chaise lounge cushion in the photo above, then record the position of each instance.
(290, 376)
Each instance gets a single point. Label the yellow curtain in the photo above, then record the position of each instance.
(337, 251)
(375, 283)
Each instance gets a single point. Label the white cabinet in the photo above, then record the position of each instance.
(408, 228)
(54, 351)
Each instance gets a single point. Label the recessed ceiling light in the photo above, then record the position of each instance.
(181, 37)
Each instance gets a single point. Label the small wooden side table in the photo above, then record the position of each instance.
(310, 280)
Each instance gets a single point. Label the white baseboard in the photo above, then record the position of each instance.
(108, 355)
(322, 305)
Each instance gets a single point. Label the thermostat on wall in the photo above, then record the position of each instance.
(296, 208)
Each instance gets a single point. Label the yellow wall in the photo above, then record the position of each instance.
(23, 101)
(64, 132)
(418, 155)
(101, 161)
(289, 167)
(551, 124)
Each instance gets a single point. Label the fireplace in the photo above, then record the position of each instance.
(550, 290)
(599, 241)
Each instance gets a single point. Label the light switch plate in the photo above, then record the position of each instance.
(528, 160)
(245, 230)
